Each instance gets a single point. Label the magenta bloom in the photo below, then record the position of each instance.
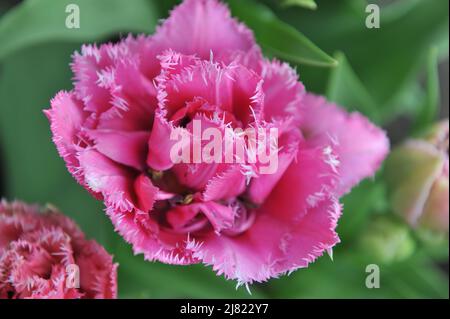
(113, 130)
(43, 255)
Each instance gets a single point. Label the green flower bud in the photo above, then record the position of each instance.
(417, 179)
(387, 241)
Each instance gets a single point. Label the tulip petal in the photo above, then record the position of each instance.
(229, 184)
(203, 27)
(360, 146)
(283, 92)
(66, 118)
(113, 143)
(271, 246)
(112, 180)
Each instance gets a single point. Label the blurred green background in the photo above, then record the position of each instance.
(389, 74)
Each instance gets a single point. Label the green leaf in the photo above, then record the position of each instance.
(387, 60)
(309, 4)
(277, 37)
(399, 48)
(345, 88)
(429, 111)
(37, 21)
(366, 199)
(345, 277)
(418, 277)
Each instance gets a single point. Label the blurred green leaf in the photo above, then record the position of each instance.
(417, 277)
(309, 4)
(429, 111)
(345, 88)
(366, 199)
(387, 60)
(345, 277)
(277, 37)
(37, 21)
(386, 240)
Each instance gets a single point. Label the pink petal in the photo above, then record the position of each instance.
(311, 176)
(306, 217)
(220, 217)
(252, 59)
(149, 239)
(133, 98)
(114, 143)
(101, 283)
(234, 89)
(283, 92)
(66, 118)
(196, 175)
(145, 192)
(35, 262)
(288, 143)
(160, 144)
(360, 146)
(203, 27)
(86, 67)
(229, 184)
(272, 247)
(112, 180)
(108, 76)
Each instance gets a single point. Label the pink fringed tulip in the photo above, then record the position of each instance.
(43, 255)
(113, 131)
(417, 175)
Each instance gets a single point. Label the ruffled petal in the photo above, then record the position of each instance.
(66, 118)
(272, 247)
(146, 192)
(46, 245)
(234, 89)
(229, 184)
(112, 180)
(283, 92)
(86, 67)
(149, 239)
(203, 27)
(113, 143)
(360, 146)
(98, 272)
(288, 146)
(160, 144)
(220, 216)
(303, 216)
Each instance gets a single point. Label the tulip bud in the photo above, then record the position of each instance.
(417, 179)
(387, 240)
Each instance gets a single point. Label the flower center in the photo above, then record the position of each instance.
(244, 218)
